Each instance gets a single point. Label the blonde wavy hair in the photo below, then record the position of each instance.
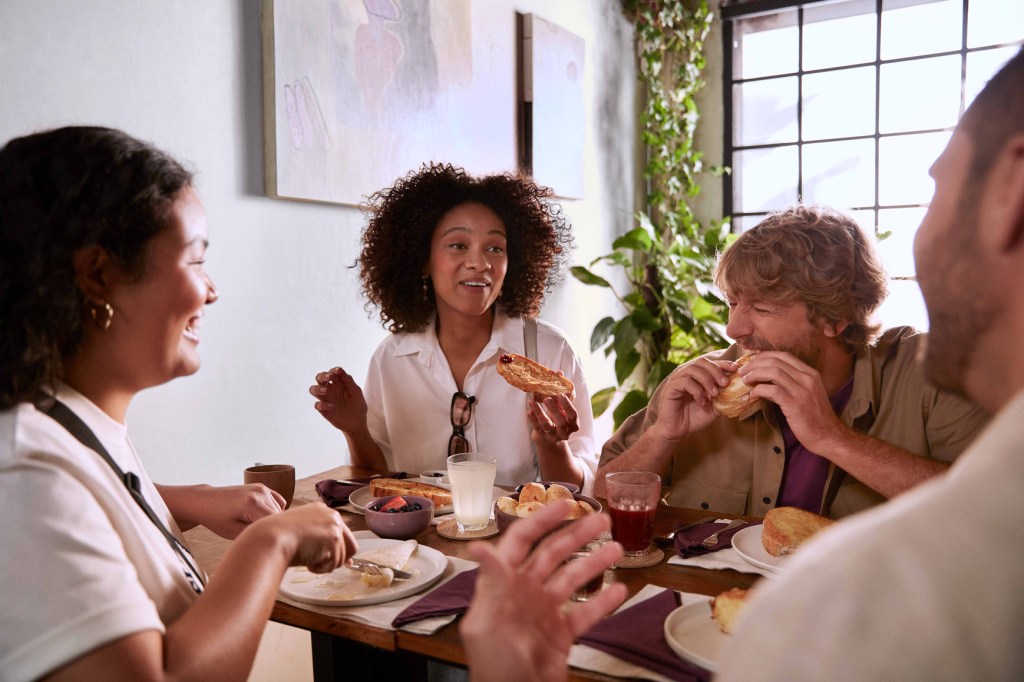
(812, 255)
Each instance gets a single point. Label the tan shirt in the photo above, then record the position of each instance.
(735, 466)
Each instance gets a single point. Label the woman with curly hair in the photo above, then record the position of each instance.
(102, 287)
(457, 267)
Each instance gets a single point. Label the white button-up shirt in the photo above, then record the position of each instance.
(409, 388)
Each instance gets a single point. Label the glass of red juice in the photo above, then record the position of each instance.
(632, 500)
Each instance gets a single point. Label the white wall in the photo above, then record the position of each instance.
(186, 75)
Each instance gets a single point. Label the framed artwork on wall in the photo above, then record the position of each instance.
(358, 93)
(553, 125)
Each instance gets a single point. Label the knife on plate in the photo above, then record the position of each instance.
(359, 564)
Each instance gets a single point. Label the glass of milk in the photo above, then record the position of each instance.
(472, 479)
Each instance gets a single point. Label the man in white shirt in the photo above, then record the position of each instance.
(929, 585)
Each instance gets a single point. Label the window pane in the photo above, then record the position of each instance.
(766, 46)
(840, 174)
(920, 94)
(839, 104)
(765, 112)
(897, 250)
(766, 179)
(990, 22)
(983, 65)
(839, 34)
(905, 305)
(903, 164)
(913, 27)
(744, 223)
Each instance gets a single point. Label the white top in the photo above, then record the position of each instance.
(409, 388)
(81, 564)
(926, 587)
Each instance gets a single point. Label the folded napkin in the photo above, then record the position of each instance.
(335, 494)
(688, 541)
(636, 634)
(450, 599)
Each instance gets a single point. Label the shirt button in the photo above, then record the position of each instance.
(766, 500)
(704, 505)
(776, 449)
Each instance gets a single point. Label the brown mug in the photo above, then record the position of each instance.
(278, 477)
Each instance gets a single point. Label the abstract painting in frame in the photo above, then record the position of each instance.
(358, 93)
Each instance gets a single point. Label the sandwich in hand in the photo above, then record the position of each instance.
(734, 401)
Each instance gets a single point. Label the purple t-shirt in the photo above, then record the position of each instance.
(803, 479)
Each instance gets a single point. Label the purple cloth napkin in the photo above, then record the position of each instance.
(452, 598)
(688, 541)
(335, 494)
(637, 635)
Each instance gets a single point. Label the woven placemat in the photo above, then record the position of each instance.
(449, 528)
(652, 558)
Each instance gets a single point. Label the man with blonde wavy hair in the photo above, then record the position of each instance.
(848, 419)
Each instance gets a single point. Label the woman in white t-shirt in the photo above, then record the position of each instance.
(102, 245)
(457, 267)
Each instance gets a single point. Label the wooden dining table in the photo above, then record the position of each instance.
(340, 647)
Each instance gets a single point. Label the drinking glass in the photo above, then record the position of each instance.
(472, 479)
(632, 500)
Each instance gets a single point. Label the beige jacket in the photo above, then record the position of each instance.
(736, 466)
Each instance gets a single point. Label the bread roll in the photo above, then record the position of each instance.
(734, 401)
(507, 505)
(727, 606)
(527, 508)
(579, 509)
(557, 492)
(786, 528)
(533, 492)
(533, 377)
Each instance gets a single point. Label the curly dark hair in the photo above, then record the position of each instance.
(813, 255)
(396, 242)
(61, 191)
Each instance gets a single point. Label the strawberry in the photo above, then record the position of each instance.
(395, 503)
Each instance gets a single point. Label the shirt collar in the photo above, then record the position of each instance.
(506, 336)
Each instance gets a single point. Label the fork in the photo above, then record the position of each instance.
(712, 539)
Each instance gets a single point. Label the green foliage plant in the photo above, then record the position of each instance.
(671, 311)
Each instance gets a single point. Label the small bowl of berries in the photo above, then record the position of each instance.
(399, 517)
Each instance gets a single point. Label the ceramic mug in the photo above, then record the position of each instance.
(278, 477)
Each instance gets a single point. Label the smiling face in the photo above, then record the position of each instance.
(155, 329)
(468, 260)
(763, 325)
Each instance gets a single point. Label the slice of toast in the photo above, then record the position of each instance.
(727, 606)
(441, 497)
(786, 528)
(533, 377)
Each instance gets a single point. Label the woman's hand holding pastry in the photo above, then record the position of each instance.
(552, 418)
(339, 400)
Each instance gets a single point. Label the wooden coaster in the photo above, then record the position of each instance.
(652, 558)
(449, 528)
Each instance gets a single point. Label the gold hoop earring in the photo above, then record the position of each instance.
(101, 315)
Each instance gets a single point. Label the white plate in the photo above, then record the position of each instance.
(361, 497)
(342, 587)
(693, 634)
(747, 544)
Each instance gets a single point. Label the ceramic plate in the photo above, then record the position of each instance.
(361, 497)
(693, 634)
(747, 544)
(343, 587)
